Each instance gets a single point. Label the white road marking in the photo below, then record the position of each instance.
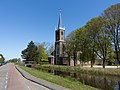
(6, 78)
(7, 75)
(28, 87)
(6, 82)
(5, 87)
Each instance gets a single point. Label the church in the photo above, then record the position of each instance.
(58, 56)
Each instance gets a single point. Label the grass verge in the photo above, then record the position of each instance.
(68, 82)
(85, 70)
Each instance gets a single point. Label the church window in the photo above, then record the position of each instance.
(61, 32)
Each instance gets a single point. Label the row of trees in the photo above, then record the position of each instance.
(35, 52)
(15, 60)
(98, 39)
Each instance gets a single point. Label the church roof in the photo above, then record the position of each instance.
(60, 22)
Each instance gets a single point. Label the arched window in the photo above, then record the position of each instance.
(61, 32)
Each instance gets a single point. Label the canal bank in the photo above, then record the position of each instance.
(42, 82)
(101, 82)
(84, 70)
(67, 82)
(105, 79)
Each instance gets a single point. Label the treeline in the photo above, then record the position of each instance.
(15, 60)
(98, 39)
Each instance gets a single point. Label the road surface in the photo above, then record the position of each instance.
(11, 79)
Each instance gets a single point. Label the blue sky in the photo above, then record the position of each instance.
(24, 20)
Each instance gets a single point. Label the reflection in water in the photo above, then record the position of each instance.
(103, 83)
(116, 87)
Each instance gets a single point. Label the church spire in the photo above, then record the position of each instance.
(60, 21)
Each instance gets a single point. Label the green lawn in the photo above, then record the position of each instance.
(65, 82)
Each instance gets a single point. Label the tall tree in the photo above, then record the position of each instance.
(71, 46)
(31, 52)
(112, 18)
(92, 27)
(82, 45)
(1, 58)
(42, 52)
(102, 41)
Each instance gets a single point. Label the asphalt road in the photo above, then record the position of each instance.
(11, 79)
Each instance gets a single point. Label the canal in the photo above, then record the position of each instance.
(101, 82)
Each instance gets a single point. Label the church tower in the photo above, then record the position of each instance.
(59, 42)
